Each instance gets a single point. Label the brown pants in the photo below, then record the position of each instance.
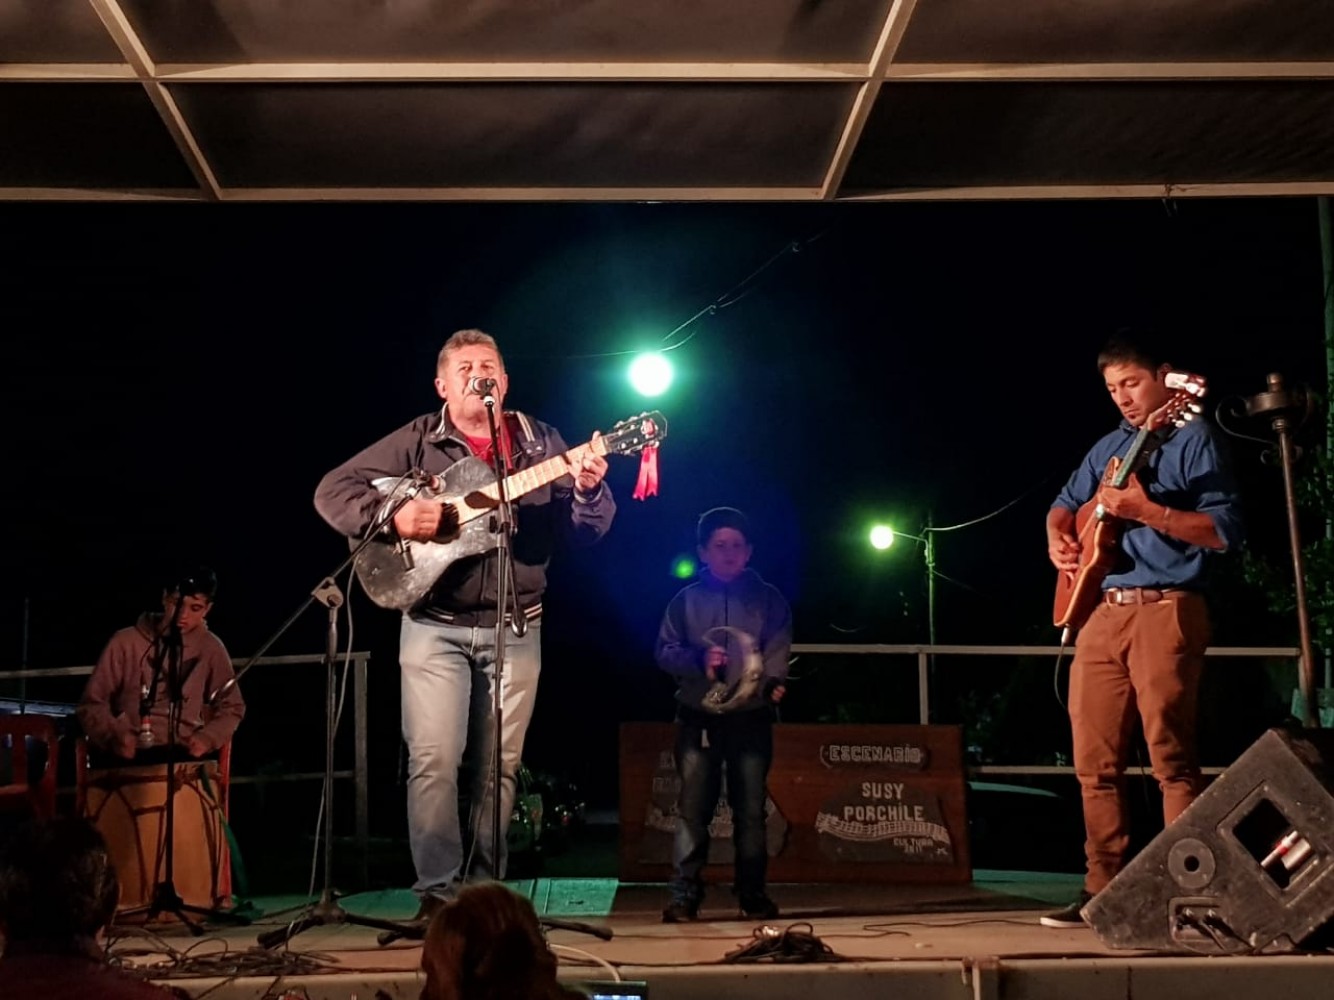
(1135, 658)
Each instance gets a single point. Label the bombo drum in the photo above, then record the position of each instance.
(128, 805)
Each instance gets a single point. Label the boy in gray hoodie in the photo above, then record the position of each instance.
(726, 640)
(161, 670)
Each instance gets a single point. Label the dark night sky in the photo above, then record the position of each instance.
(179, 377)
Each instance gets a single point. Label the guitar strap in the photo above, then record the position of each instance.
(519, 425)
(1152, 443)
(526, 436)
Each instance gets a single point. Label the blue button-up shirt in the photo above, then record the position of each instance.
(1188, 471)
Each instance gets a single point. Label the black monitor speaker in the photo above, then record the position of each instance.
(1247, 868)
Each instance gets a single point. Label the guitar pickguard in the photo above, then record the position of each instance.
(389, 579)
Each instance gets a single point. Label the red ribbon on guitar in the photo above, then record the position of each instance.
(647, 484)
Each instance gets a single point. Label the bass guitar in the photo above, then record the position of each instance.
(398, 573)
(1099, 533)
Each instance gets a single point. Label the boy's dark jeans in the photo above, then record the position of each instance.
(744, 742)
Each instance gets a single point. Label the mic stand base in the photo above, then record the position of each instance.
(167, 900)
(551, 923)
(416, 933)
(328, 913)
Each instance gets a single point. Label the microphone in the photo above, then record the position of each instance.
(481, 386)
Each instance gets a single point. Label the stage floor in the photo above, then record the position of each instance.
(977, 940)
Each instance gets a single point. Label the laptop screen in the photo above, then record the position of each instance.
(606, 989)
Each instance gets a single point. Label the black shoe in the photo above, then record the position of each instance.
(680, 911)
(1070, 916)
(430, 906)
(758, 907)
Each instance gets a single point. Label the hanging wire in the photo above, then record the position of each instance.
(741, 289)
(995, 513)
(729, 298)
(710, 310)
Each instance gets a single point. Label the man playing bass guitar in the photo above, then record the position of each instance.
(1141, 649)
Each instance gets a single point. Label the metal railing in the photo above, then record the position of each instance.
(360, 773)
(924, 655)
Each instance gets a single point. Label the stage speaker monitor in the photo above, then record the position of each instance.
(1245, 869)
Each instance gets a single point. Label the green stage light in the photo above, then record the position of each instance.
(684, 568)
(882, 536)
(651, 374)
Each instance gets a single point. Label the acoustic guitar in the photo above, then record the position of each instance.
(398, 573)
(1099, 533)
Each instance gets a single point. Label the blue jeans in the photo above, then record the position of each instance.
(448, 726)
(744, 744)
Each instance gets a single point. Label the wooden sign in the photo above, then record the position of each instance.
(845, 803)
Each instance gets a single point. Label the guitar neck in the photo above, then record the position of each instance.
(1133, 457)
(526, 480)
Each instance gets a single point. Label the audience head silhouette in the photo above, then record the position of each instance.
(58, 888)
(58, 893)
(487, 944)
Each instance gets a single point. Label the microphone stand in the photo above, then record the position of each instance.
(504, 527)
(507, 593)
(165, 898)
(390, 510)
(326, 910)
(1280, 406)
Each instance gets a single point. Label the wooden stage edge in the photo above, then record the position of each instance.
(920, 943)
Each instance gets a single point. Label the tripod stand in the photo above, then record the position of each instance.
(327, 910)
(169, 666)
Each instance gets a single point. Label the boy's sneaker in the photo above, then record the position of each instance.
(1070, 915)
(680, 911)
(759, 907)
